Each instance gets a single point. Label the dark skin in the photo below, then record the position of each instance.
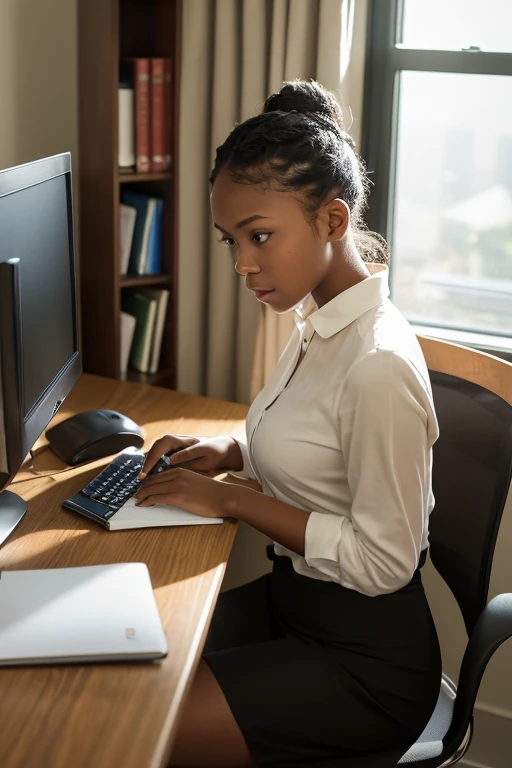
(274, 246)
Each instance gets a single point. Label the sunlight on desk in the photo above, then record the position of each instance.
(70, 706)
(13, 551)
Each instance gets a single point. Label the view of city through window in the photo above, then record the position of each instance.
(452, 225)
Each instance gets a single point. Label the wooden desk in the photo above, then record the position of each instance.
(107, 715)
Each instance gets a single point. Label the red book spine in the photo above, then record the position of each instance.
(157, 115)
(142, 115)
(167, 113)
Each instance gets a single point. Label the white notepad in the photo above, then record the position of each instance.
(132, 516)
(75, 615)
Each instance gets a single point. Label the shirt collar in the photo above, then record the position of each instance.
(347, 306)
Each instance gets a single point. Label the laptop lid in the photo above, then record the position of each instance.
(74, 615)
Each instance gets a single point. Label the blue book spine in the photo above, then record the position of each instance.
(137, 255)
(154, 263)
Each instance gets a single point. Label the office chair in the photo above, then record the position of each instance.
(472, 472)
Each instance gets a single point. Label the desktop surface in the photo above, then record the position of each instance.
(113, 714)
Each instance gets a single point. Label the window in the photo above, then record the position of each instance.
(438, 146)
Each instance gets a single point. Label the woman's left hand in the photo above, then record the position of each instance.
(186, 489)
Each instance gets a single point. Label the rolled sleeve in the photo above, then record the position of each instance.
(387, 427)
(247, 470)
(323, 532)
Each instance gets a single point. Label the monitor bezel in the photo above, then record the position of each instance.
(31, 424)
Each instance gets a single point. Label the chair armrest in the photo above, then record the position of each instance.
(493, 627)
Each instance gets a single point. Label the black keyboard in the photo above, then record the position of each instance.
(108, 491)
(117, 482)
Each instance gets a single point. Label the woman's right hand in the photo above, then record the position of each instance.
(202, 454)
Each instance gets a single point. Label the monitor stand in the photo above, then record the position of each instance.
(12, 509)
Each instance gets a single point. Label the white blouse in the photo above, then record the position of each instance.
(349, 437)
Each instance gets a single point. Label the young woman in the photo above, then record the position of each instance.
(334, 653)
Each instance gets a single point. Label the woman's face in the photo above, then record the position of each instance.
(273, 245)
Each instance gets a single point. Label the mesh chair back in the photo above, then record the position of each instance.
(471, 477)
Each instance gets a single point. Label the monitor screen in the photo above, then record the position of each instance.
(39, 334)
(35, 227)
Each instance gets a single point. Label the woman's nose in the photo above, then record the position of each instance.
(245, 266)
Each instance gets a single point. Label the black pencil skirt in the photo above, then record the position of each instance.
(313, 671)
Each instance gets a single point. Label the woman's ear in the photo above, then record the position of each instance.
(333, 219)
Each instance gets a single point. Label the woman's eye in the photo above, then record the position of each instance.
(264, 235)
(227, 241)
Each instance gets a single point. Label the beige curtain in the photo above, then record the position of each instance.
(234, 54)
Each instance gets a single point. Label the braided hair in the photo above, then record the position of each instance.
(298, 145)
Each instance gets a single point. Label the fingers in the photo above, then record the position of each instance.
(158, 484)
(166, 444)
(154, 453)
(163, 477)
(145, 493)
(150, 501)
(187, 454)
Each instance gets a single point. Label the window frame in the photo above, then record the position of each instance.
(384, 61)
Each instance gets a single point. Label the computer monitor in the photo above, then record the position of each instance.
(40, 358)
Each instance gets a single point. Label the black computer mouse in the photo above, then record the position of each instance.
(92, 435)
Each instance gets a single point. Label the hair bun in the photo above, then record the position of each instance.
(312, 99)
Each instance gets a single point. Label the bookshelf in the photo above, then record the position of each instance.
(109, 30)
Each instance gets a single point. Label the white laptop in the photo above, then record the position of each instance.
(74, 615)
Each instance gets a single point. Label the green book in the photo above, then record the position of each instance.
(161, 297)
(143, 308)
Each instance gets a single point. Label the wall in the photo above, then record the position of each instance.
(38, 77)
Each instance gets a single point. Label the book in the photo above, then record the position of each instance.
(146, 209)
(128, 323)
(161, 296)
(167, 113)
(127, 216)
(142, 116)
(132, 516)
(146, 232)
(138, 72)
(143, 308)
(157, 115)
(153, 264)
(126, 137)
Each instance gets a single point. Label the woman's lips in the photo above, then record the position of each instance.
(262, 294)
